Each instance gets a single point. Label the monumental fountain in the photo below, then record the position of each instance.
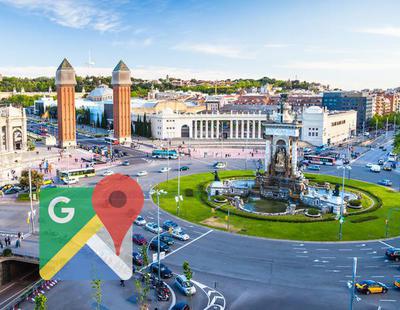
(282, 180)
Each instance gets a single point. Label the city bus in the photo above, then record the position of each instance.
(171, 154)
(76, 173)
(320, 160)
(111, 140)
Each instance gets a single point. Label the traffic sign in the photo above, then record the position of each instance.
(341, 220)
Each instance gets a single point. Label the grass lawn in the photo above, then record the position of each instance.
(195, 210)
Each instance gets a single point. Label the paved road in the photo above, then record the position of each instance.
(255, 273)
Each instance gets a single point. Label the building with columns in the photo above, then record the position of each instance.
(65, 83)
(13, 137)
(168, 124)
(121, 82)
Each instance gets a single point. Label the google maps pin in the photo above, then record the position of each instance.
(117, 200)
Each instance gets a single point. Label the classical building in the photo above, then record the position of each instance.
(323, 127)
(168, 124)
(121, 82)
(65, 83)
(12, 130)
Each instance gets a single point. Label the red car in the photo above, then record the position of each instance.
(139, 239)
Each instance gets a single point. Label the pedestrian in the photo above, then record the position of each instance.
(17, 243)
(19, 235)
(122, 283)
(1, 244)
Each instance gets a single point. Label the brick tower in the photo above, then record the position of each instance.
(65, 83)
(121, 82)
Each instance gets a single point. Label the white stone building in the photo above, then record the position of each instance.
(13, 136)
(323, 127)
(169, 125)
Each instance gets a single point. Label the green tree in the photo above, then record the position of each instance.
(143, 287)
(37, 179)
(40, 302)
(144, 133)
(97, 293)
(187, 271)
(97, 121)
(103, 121)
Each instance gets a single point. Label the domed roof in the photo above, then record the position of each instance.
(314, 109)
(101, 91)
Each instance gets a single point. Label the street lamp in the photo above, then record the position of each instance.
(344, 168)
(179, 197)
(158, 192)
(32, 212)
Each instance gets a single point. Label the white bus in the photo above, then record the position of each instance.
(111, 140)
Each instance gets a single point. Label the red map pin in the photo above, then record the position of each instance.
(117, 200)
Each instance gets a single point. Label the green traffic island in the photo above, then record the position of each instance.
(367, 222)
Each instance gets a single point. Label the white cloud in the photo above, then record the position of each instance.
(276, 45)
(134, 42)
(384, 31)
(71, 13)
(215, 49)
(342, 65)
(144, 72)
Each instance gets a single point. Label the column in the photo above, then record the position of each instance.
(259, 130)
(294, 157)
(195, 129)
(217, 128)
(10, 141)
(230, 129)
(254, 129)
(267, 159)
(206, 129)
(212, 129)
(201, 129)
(191, 130)
(242, 129)
(237, 129)
(248, 129)
(1, 138)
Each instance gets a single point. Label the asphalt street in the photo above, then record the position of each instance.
(256, 273)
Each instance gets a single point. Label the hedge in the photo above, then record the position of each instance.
(365, 219)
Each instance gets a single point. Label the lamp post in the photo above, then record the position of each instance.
(179, 197)
(158, 192)
(31, 202)
(353, 286)
(344, 168)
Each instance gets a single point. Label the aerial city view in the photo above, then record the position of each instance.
(205, 155)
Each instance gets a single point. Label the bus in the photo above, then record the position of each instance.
(76, 173)
(111, 140)
(320, 160)
(171, 154)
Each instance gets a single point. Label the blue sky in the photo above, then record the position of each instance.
(348, 44)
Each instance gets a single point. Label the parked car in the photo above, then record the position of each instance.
(139, 239)
(141, 173)
(165, 272)
(387, 167)
(167, 239)
(371, 287)
(125, 163)
(108, 172)
(397, 283)
(137, 259)
(165, 169)
(220, 165)
(7, 186)
(381, 162)
(69, 181)
(181, 306)
(184, 168)
(140, 221)
(393, 254)
(314, 167)
(171, 224)
(12, 190)
(385, 182)
(153, 227)
(375, 168)
(180, 235)
(163, 246)
(184, 285)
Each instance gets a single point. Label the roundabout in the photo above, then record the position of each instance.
(364, 222)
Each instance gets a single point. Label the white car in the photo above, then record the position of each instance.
(165, 169)
(153, 227)
(108, 172)
(141, 173)
(369, 165)
(140, 221)
(220, 165)
(69, 181)
(180, 235)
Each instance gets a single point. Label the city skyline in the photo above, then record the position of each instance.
(331, 43)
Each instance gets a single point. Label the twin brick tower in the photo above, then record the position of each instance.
(66, 82)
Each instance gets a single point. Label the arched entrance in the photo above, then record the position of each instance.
(185, 131)
(17, 139)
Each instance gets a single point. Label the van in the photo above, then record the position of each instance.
(375, 168)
